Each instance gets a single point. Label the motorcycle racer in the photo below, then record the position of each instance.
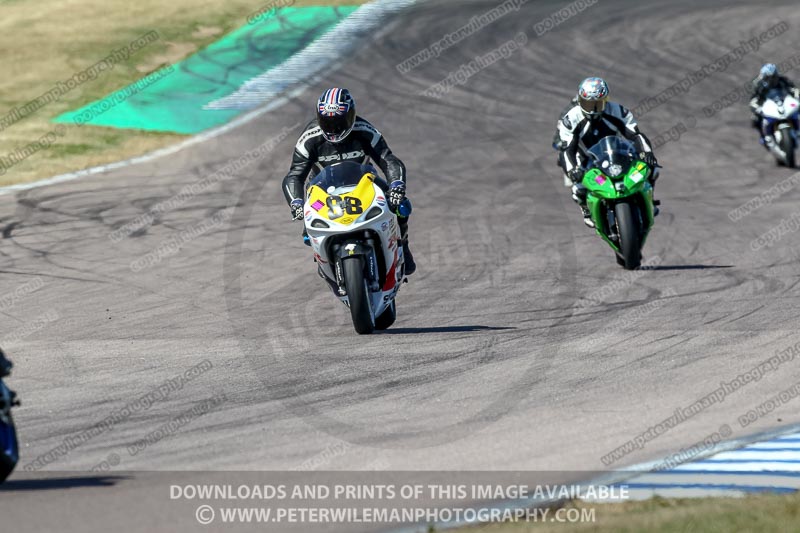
(337, 135)
(591, 119)
(768, 78)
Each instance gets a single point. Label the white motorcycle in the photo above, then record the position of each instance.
(356, 242)
(781, 109)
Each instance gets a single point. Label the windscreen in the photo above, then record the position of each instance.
(613, 155)
(341, 175)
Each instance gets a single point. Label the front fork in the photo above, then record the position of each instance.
(366, 249)
(602, 212)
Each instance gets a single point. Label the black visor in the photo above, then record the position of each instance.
(336, 127)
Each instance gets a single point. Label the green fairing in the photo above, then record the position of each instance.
(602, 188)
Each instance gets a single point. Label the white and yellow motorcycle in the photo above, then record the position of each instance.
(356, 242)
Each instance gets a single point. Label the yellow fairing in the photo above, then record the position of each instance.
(343, 208)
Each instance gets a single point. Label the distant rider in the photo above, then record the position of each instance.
(591, 119)
(337, 135)
(768, 78)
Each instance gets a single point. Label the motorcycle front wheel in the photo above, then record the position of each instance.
(358, 294)
(787, 145)
(629, 236)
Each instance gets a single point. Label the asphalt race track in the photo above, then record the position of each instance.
(497, 361)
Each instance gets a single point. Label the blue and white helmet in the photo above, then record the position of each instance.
(768, 74)
(769, 70)
(592, 96)
(336, 114)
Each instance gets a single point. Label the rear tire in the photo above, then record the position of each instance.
(629, 236)
(387, 318)
(358, 295)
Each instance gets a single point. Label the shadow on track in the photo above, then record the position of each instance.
(57, 483)
(687, 267)
(441, 329)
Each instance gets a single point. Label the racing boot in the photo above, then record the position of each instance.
(587, 216)
(403, 212)
(411, 266)
(652, 180)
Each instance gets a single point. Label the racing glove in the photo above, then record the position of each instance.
(297, 209)
(397, 193)
(576, 175)
(649, 158)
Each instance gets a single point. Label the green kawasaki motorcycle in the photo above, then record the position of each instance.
(620, 198)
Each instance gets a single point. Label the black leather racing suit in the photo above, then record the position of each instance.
(314, 152)
(578, 133)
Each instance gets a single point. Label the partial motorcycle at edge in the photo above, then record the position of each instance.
(9, 446)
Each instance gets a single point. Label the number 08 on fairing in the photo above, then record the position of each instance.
(356, 238)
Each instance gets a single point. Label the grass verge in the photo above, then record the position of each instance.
(764, 513)
(47, 41)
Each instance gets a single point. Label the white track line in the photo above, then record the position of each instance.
(740, 467)
(641, 469)
(775, 444)
(646, 494)
(769, 455)
(733, 478)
